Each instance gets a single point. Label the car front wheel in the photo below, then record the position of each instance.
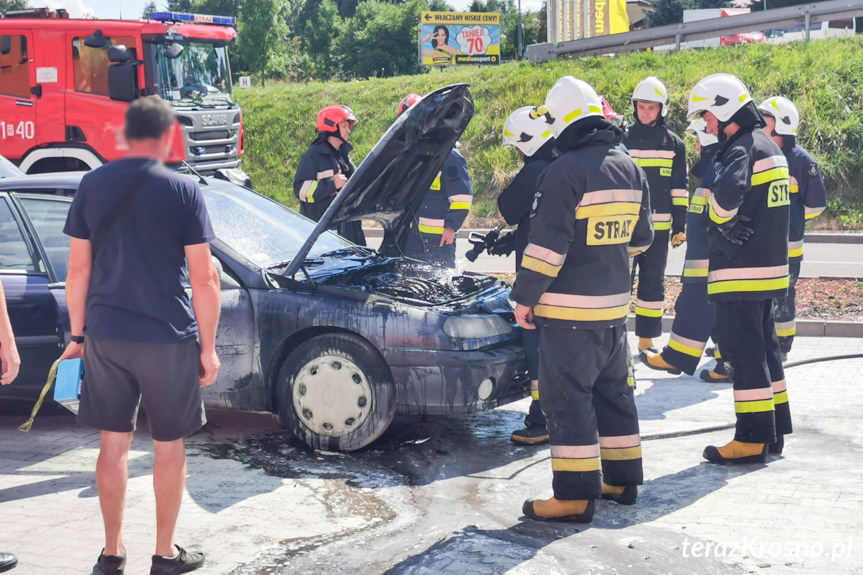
(336, 393)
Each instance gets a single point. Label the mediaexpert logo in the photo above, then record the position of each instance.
(764, 549)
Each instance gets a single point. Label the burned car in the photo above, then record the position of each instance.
(334, 337)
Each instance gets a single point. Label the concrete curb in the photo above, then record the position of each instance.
(805, 327)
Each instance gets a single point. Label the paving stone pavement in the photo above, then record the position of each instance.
(801, 513)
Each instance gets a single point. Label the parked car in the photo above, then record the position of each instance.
(8, 169)
(334, 337)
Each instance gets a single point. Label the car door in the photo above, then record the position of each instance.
(33, 310)
(17, 103)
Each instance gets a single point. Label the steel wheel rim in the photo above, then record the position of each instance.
(332, 396)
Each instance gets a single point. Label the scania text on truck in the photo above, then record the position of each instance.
(65, 85)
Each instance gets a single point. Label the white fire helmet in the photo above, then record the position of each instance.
(571, 100)
(721, 94)
(698, 127)
(651, 90)
(784, 112)
(528, 129)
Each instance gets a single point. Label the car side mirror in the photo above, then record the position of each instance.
(123, 82)
(173, 51)
(96, 40)
(119, 54)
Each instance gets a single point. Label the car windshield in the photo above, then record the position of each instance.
(198, 76)
(263, 231)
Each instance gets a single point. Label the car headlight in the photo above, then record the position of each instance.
(476, 326)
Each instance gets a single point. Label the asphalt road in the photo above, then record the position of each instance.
(820, 259)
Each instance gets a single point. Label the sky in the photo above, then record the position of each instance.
(131, 9)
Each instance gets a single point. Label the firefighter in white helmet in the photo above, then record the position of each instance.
(662, 155)
(528, 130)
(748, 210)
(591, 211)
(808, 200)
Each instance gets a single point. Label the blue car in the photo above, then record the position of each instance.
(333, 337)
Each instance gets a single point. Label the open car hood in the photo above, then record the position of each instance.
(391, 182)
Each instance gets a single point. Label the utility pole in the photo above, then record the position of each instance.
(518, 32)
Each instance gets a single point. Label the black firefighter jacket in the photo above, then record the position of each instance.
(592, 210)
(752, 181)
(662, 156)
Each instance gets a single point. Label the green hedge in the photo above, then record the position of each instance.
(824, 78)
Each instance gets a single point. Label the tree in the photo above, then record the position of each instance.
(380, 39)
(321, 31)
(13, 5)
(259, 33)
(149, 8)
(669, 11)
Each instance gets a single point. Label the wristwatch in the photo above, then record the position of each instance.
(77, 338)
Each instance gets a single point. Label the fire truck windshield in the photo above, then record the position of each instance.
(199, 76)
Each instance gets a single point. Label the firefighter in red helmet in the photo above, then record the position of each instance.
(326, 166)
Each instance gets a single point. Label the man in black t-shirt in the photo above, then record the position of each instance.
(134, 225)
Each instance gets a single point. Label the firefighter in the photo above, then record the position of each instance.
(326, 167)
(694, 314)
(528, 129)
(808, 200)
(443, 210)
(749, 210)
(662, 156)
(591, 211)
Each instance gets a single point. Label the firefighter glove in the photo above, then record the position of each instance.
(736, 229)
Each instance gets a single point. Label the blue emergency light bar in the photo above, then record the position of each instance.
(193, 18)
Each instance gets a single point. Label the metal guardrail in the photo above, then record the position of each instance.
(805, 14)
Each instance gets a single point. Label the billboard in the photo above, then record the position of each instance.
(457, 38)
(577, 19)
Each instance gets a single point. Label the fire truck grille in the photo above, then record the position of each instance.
(210, 135)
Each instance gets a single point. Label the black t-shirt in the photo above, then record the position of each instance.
(139, 264)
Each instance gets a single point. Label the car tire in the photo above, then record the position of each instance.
(336, 393)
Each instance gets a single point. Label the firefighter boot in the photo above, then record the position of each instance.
(656, 361)
(777, 447)
(533, 434)
(718, 374)
(646, 344)
(737, 452)
(622, 494)
(575, 510)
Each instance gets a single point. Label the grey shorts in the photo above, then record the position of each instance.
(119, 375)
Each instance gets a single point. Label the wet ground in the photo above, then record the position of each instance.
(444, 495)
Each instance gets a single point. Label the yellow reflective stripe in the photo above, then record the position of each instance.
(539, 266)
(747, 285)
(310, 193)
(813, 212)
(648, 312)
(460, 206)
(695, 272)
(788, 332)
(753, 406)
(685, 349)
(613, 209)
(594, 109)
(794, 188)
(630, 381)
(780, 173)
(781, 397)
(699, 201)
(795, 252)
(587, 464)
(580, 314)
(534, 394)
(654, 162)
(572, 115)
(546, 134)
(620, 453)
(430, 229)
(679, 202)
(661, 226)
(435, 184)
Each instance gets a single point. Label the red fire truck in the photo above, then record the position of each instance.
(65, 85)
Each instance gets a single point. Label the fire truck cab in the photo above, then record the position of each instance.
(65, 85)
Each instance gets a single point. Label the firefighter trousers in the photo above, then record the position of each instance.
(589, 401)
(530, 338)
(746, 335)
(694, 319)
(650, 267)
(786, 308)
